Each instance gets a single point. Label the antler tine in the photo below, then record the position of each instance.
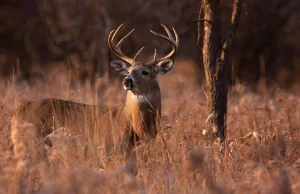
(159, 35)
(109, 36)
(170, 39)
(117, 30)
(154, 57)
(120, 43)
(176, 37)
(168, 31)
(116, 48)
(138, 53)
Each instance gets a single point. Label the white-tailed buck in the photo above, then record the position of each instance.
(117, 127)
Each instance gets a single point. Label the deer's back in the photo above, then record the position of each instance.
(90, 121)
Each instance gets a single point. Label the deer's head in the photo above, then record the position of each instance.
(141, 77)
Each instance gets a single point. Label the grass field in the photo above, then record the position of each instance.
(181, 159)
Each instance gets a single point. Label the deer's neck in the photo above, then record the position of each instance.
(143, 112)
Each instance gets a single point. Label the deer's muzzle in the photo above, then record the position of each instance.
(127, 83)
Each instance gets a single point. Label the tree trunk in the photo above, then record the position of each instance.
(215, 60)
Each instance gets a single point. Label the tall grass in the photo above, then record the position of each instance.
(180, 160)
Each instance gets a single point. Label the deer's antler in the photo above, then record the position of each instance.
(116, 48)
(170, 39)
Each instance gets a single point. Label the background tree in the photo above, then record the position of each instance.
(215, 61)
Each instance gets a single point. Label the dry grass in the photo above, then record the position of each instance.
(181, 160)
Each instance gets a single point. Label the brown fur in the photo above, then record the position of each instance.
(115, 128)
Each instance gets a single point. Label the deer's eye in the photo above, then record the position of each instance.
(145, 73)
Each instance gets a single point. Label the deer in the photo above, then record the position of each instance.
(113, 127)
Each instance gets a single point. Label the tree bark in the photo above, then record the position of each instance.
(215, 60)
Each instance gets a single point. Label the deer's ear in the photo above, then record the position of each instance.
(164, 66)
(119, 66)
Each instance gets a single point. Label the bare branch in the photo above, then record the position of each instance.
(236, 12)
(199, 26)
(202, 20)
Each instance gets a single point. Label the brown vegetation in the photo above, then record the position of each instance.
(181, 159)
(61, 45)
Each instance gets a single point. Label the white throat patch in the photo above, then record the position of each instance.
(142, 98)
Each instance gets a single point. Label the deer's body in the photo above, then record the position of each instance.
(117, 127)
(108, 127)
(49, 115)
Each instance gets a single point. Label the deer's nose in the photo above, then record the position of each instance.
(127, 83)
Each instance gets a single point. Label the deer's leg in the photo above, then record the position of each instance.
(130, 162)
(129, 154)
(27, 142)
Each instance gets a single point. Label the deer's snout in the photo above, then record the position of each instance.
(127, 83)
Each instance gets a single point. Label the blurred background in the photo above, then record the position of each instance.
(39, 35)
